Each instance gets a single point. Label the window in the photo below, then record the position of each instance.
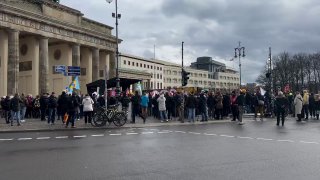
(160, 85)
(25, 66)
(101, 73)
(137, 64)
(157, 76)
(157, 68)
(161, 69)
(140, 64)
(151, 67)
(83, 71)
(144, 65)
(160, 76)
(129, 63)
(124, 62)
(148, 66)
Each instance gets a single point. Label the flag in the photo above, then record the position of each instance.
(262, 91)
(74, 85)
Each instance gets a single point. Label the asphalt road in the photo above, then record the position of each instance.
(256, 150)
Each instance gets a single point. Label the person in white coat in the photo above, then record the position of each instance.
(298, 104)
(87, 103)
(162, 108)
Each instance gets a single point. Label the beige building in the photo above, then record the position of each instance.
(37, 35)
(164, 75)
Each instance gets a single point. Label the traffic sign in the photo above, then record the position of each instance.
(74, 71)
(60, 68)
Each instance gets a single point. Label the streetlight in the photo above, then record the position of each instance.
(237, 53)
(117, 16)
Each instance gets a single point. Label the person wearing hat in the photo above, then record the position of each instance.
(281, 104)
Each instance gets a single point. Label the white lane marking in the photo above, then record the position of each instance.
(309, 142)
(154, 129)
(180, 132)
(222, 135)
(131, 133)
(6, 139)
(208, 134)
(62, 137)
(163, 132)
(119, 134)
(42, 138)
(265, 139)
(97, 135)
(241, 137)
(82, 136)
(24, 139)
(193, 133)
(285, 140)
(147, 132)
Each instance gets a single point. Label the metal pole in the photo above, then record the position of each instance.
(106, 88)
(182, 104)
(117, 55)
(270, 71)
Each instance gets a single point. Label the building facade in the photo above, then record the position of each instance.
(37, 35)
(167, 75)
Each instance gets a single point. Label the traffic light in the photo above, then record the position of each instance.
(268, 75)
(185, 77)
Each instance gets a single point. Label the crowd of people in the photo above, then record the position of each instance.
(165, 106)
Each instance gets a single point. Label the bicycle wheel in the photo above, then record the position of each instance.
(120, 119)
(98, 120)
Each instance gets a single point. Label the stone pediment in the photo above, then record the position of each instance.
(51, 19)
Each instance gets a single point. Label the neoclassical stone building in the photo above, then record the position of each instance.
(36, 35)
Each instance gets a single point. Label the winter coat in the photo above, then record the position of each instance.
(219, 100)
(15, 104)
(305, 99)
(298, 102)
(144, 101)
(202, 103)
(6, 104)
(169, 102)
(53, 102)
(162, 103)
(73, 104)
(281, 103)
(125, 101)
(211, 101)
(240, 100)
(63, 102)
(87, 103)
(44, 101)
(191, 102)
(23, 102)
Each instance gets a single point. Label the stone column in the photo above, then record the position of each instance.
(43, 66)
(13, 61)
(76, 55)
(95, 64)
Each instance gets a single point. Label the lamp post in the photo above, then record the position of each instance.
(238, 52)
(117, 16)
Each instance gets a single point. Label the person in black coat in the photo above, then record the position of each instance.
(203, 107)
(52, 108)
(240, 101)
(191, 103)
(211, 103)
(5, 104)
(63, 105)
(73, 106)
(226, 105)
(281, 104)
(44, 100)
(169, 105)
(312, 105)
(125, 101)
(15, 109)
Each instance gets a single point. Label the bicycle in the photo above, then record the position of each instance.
(111, 115)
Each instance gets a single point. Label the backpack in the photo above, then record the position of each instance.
(37, 103)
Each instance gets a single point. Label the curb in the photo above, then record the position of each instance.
(108, 128)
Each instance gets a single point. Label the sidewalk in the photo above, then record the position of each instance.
(35, 125)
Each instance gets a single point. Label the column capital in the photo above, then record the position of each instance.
(13, 30)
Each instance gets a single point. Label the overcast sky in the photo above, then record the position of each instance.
(211, 28)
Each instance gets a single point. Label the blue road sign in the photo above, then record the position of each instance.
(60, 68)
(73, 71)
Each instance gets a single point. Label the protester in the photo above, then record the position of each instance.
(87, 104)
(298, 104)
(281, 104)
(52, 108)
(162, 108)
